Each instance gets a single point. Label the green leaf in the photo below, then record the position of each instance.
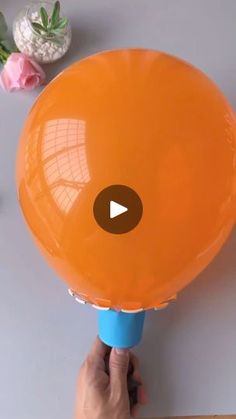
(44, 17)
(8, 45)
(55, 14)
(3, 26)
(61, 23)
(4, 54)
(38, 28)
(57, 32)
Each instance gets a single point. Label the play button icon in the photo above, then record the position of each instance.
(117, 209)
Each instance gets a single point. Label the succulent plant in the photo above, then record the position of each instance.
(50, 25)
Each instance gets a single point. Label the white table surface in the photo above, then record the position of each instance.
(188, 354)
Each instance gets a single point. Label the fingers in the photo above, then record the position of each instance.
(134, 411)
(95, 359)
(142, 395)
(99, 349)
(136, 371)
(118, 366)
(142, 399)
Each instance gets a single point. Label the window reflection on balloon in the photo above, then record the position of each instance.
(63, 165)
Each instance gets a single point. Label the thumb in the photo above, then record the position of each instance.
(118, 366)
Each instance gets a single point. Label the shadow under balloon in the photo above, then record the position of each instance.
(170, 335)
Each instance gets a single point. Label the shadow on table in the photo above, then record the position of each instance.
(182, 343)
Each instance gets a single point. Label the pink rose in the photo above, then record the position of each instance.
(21, 72)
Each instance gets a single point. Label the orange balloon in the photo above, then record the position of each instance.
(142, 119)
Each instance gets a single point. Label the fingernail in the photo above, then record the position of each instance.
(120, 351)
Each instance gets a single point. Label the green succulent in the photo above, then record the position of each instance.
(50, 25)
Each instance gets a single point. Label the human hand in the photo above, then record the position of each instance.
(103, 388)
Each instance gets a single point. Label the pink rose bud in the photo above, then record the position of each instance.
(21, 72)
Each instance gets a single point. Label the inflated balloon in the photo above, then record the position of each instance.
(126, 178)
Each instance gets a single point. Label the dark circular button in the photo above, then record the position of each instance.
(117, 209)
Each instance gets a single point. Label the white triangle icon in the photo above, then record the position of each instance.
(116, 209)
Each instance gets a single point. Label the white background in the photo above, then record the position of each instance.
(188, 354)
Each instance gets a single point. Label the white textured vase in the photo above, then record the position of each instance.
(42, 48)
